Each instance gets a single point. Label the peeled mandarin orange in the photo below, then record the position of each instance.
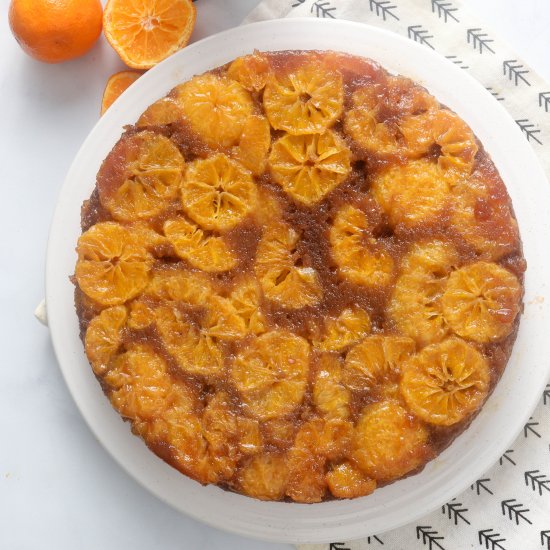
(146, 32)
(55, 30)
(116, 84)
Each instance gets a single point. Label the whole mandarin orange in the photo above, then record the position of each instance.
(55, 30)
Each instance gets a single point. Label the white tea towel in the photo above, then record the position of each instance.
(509, 507)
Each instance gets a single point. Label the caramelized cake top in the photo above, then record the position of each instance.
(299, 276)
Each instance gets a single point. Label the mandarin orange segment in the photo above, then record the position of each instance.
(147, 173)
(117, 84)
(207, 252)
(254, 144)
(376, 363)
(250, 71)
(146, 32)
(216, 108)
(446, 130)
(347, 481)
(415, 305)
(217, 192)
(413, 193)
(282, 280)
(195, 351)
(445, 382)
(360, 259)
(349, 328)
(104, 336)
(304, 100)
(271, 373)
(179, 285)
(161, 112)
(482, 215)
(265, 477)
(481, 302)
(112, 266)
(309, 166)
(139, 383)
(389, 442)
(330, 396)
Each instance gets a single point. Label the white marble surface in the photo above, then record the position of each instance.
(59, 489)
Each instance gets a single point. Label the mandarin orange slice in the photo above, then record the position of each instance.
(104, 336)
(265, 477)
(161, 112)
(271, 373)
(117, 84)
(304, 100)
(251, 71)
(445, 382)
(207, 252)
(389, 442)
(481, 302)
(216, 108)
(349, 328)
(415, 305)
(147, 173)
(413, 193)
(360, 259)
(254, 144)
(282, 280)
(217, 192)
(330, 396)
(146, 32)
(112, 266)
(309, 166)
(346, 481)
(376, 363)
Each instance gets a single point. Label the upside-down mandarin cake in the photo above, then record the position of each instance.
(299, 276)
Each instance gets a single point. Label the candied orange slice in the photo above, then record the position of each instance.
(103, 337)
(250, 71)
(415, 306)
(112, 266)
(413, 193)
(254, 144)
(239, 314)
(218, 192)
(216, 108)
(179, 285)
(347, 481)
(207, 252)
(194, 349)
(140, 176)
(444, 129)
(139, 383)
(163, 111)
(483, 217)
(271, 373)
(445, 382)
(309, 166)
(360, 260)
(376, 363)
(250, 437)
(389, 442)
(117, 84)
(305, 100)
(146, 32)
(141, 314)
(481, 302)
(282, 280)
(350, 327)
(265, 477)
(330, 396)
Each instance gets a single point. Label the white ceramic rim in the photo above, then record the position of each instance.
(503, 416)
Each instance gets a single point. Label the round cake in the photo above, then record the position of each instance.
(299, 277)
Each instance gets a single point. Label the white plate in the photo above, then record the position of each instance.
(503, 415)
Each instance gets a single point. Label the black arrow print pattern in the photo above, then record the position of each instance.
(481, 484)
(515, 71)
(546, 394)
(429, 536)
(530, 426)
(338, 546)
(374, 539)
(455, 511)
(545, 538)
(537, 481)
(530, 132)
(445, 10)
(496, 95)
(479, 40)
(420, 35)
(323, 9)
(491, 540)
(383, 8)
(457, 61)
(514, 510)
(506, 457)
